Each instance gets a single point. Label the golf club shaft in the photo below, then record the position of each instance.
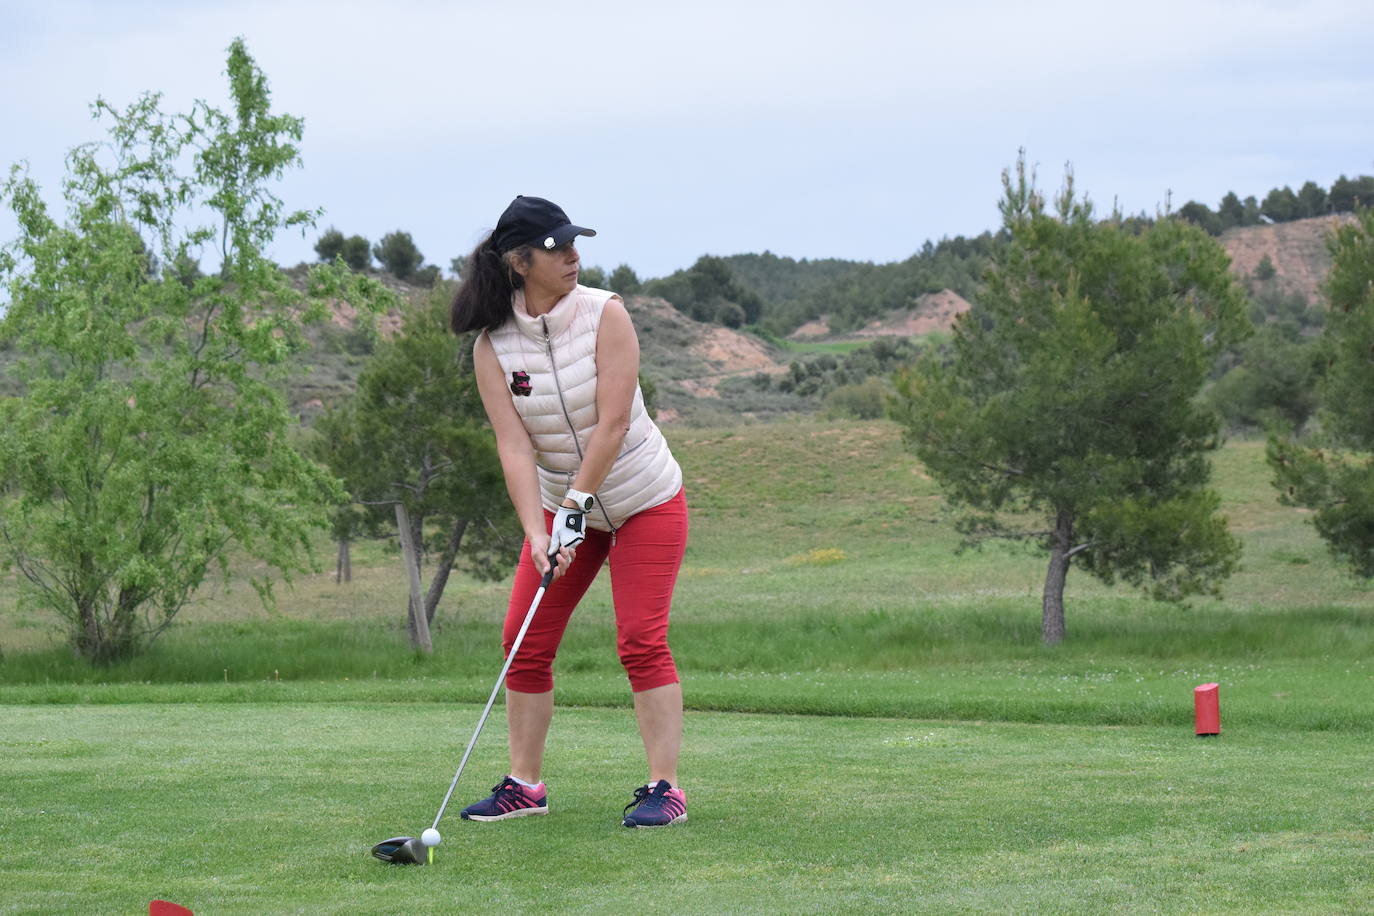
(500, 679)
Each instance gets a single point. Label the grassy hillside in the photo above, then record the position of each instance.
(819, 559)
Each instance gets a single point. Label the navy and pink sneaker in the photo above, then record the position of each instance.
(657, 806)
(509, 799)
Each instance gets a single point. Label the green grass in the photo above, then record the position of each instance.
(271, 809)
(823, 346)
(836, 649)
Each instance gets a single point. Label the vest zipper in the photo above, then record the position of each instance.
(567, 417)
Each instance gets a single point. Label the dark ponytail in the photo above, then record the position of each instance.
(483, 297)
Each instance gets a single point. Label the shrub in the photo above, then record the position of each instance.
(866, 400)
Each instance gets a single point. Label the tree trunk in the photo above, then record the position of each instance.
(418, 623)
(343, 570)
(90, 637)
(1052, 608)
(436, 585)
(124, 635)
(417, 539)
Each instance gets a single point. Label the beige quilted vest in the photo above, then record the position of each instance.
(557, 402)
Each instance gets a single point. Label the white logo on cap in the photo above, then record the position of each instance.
(548, 242)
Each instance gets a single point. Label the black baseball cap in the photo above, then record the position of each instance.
(534, 221)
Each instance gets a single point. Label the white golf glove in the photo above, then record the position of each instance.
(569, 529)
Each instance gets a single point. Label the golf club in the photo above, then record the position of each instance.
(409, 850)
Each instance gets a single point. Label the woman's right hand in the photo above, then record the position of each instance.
(539, 552)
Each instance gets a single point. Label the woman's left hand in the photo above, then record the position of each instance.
(569, 527)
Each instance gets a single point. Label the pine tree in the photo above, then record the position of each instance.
(1333, 474)
(1067, 413)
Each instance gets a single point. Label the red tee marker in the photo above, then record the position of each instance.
(1206, 710)
(167, 908)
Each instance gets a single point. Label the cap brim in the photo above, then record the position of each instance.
(562, 235)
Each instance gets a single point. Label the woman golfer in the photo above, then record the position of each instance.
(591, 479)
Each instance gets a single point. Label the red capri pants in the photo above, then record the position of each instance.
(644, 563)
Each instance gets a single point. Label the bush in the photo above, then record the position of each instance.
(1275, 382)
(359, 340)
(865, 401)
(730, 314)
(426, 276)
(398, 254)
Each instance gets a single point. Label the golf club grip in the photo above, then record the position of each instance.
(500, 679)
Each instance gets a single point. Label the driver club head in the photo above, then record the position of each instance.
(402, 850)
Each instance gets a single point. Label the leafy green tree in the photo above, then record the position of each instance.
(1231, 212)
(356, 252)
(398, 255)
(1265, 269)
(354, 249)
(1311, 199)
(1201, 215)
(708, 291)
(1281, 205)
(624, 280)
(594, 277)
(710, 279)
(1333, 473)
(1066, 413)
(412, 446)
(330, 244)
(1349, 194)
(150, 441)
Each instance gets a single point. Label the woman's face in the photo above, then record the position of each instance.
(552, 272)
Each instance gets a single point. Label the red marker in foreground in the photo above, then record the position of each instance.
(1206, 710)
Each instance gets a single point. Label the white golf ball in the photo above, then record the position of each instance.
(431, 837)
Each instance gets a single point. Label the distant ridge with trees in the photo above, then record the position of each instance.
(1282, 205)
(777, 295)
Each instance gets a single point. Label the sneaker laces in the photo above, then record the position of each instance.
(649, 797)
(504, 788)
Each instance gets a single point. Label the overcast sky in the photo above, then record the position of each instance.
(854, 129)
